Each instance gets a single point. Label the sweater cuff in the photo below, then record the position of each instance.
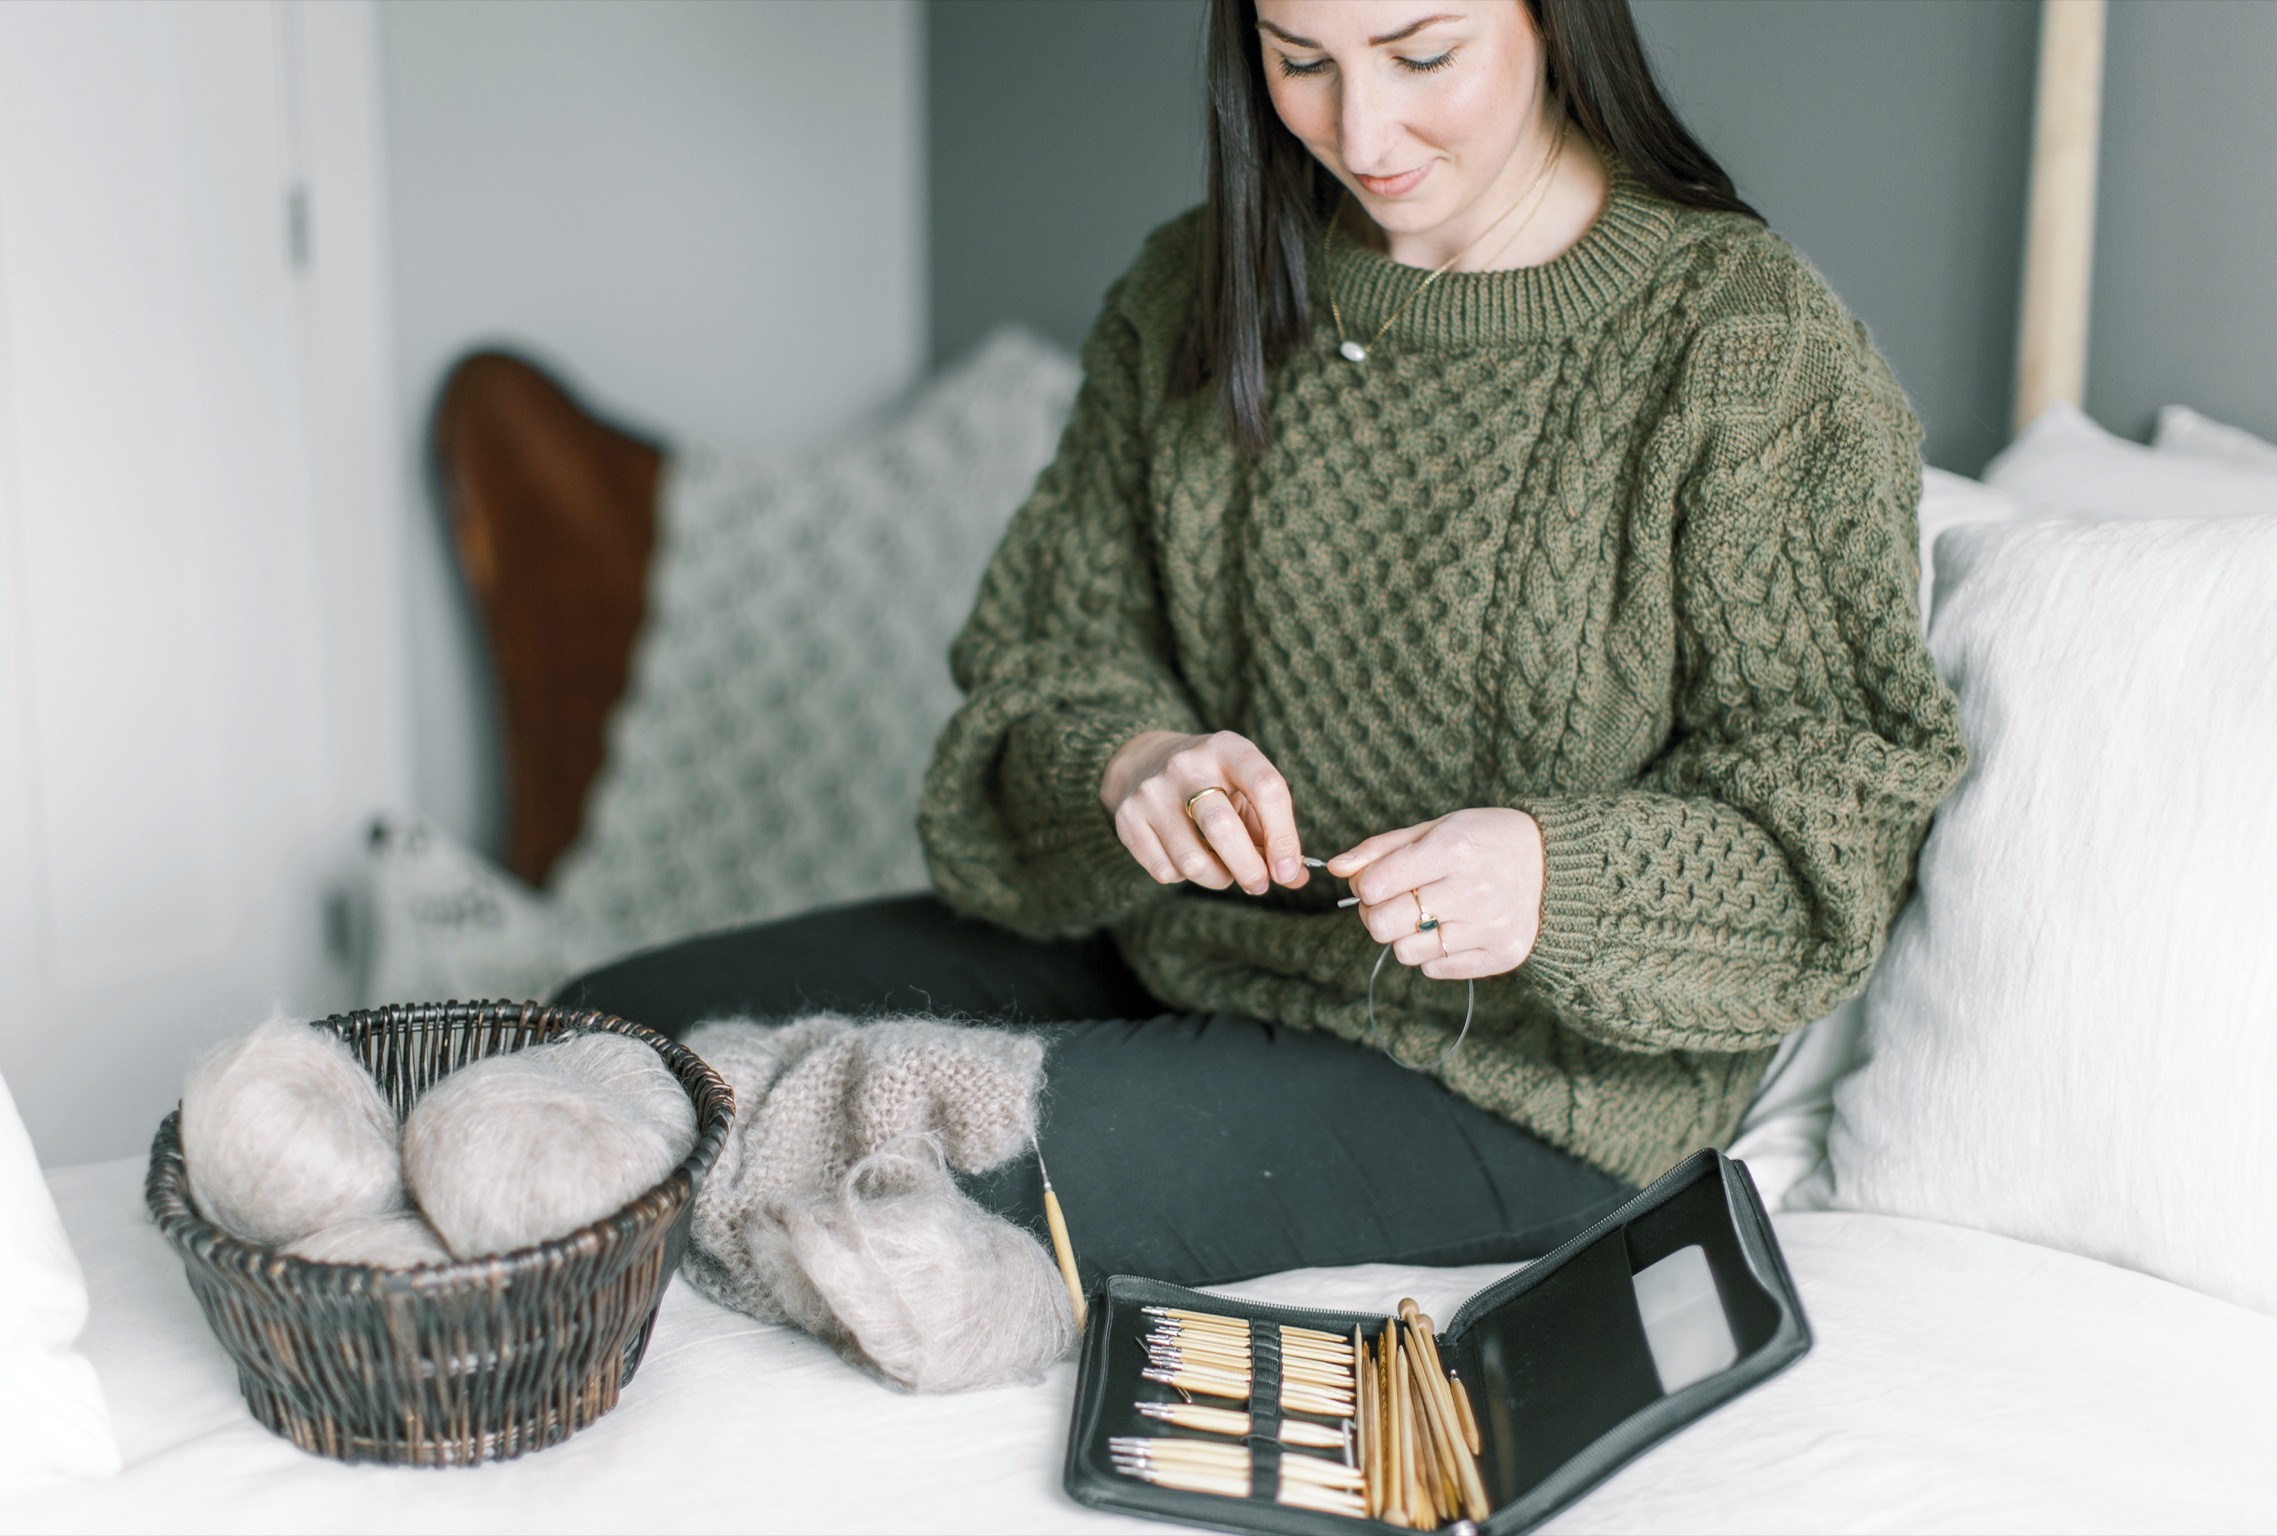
(1574, 839)
(1054, 806)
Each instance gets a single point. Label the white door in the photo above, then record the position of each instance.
(200, 642)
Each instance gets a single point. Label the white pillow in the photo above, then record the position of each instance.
(793, 670)
(53, 1423)
(1782, 1137)
(2073, 1036)
(2065, 461)
(441, 921)
(2183, 430)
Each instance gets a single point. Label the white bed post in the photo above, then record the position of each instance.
(2059, 237)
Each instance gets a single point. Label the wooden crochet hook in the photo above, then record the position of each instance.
(1062, 1249)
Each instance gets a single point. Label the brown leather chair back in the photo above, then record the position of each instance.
(553, 514)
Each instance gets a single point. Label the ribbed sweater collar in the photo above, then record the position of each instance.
(1466, 309)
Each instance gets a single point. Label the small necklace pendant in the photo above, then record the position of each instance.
(1352, 351)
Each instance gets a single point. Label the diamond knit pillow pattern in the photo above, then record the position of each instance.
(794, 671)
(786, 689)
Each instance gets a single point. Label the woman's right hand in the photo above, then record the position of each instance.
(1155, 776)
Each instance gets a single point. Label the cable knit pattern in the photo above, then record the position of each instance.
(1625, 541)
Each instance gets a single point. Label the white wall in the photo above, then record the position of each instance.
(708, 215)
(201, 679)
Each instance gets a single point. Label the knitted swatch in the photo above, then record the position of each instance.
(832, 1206)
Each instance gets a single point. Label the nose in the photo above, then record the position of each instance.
(1365, 131)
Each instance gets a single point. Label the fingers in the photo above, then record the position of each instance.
(1362, 855)
(1389, 922)
(1145, 847)
(1272, 814)
(1222, 827)
(1167, 846)
(1440, 850)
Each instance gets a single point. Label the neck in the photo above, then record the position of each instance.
(1517, 221)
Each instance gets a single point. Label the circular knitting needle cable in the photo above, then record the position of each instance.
(1375, 1031)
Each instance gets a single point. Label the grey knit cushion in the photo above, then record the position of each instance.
(786, 690)
(793, 671)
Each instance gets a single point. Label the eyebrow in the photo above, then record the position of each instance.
(1402, 35)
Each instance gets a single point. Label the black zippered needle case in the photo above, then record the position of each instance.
(1555, 1356)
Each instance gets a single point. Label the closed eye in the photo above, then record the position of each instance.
(1428, 66)
(1290, 66)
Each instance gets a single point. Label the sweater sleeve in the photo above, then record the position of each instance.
(1746, 883)
(1067, 656)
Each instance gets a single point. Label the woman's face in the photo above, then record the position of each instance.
(1430, 111)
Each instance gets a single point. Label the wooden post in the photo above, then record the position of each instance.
(2059, 236)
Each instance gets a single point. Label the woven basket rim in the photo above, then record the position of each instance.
(167, 1195)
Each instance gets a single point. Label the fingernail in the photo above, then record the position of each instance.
(1288, 871)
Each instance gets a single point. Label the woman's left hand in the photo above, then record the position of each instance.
(1479, 872)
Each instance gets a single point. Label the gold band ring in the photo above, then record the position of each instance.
(1197, 795)
(1442, 932)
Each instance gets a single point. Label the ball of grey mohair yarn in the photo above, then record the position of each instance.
(904, 1274)
(284, 1133)
(527, 1147)
(384, 1242)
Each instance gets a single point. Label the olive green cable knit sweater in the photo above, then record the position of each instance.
(1626, 541)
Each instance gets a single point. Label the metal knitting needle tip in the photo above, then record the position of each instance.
(1349, 901)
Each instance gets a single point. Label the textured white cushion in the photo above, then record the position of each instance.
(2064, 461)
(2073, 1036)
(2183, 430)
(52, 1420)
(793, 670)
(1782, 1137)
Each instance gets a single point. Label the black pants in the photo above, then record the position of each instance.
(1189, 1147)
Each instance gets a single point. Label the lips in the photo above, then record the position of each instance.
(1393, 186)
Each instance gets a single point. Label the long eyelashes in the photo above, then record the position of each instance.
(1294, 70)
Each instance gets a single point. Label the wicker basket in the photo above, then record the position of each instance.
(451, 1364)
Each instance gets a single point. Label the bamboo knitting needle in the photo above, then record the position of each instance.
(1444, 1419)
(1389, 1509)
(1463, 1412)
(1327, 1501)
(1169, 1358)
(1241, 1377)
(1431, 1464)
(1336, 1352)
(1287, 1336)
(1203, 1344)
(1236, 1359)
(1232, 1421)
(1364, 1423)
(1293, 1399)
(1062, 1249)
(1241, 1324)
(1233, 1459)
(1401, 1441)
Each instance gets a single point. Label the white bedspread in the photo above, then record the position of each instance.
(1960, 1382)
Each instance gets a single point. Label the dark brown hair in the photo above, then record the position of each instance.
(1268, 196)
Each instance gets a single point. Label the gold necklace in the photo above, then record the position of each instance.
(1352, 351)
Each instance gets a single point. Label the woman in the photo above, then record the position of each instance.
(1472, 490)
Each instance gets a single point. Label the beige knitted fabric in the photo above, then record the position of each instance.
(1625, 541)
(831, 1205)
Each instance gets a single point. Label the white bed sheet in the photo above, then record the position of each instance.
(1960, 1382)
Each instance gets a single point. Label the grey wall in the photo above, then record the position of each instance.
(1058, 133)
(710, 216)
(1888, 140)
(2185, 276)
(1891, 143)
